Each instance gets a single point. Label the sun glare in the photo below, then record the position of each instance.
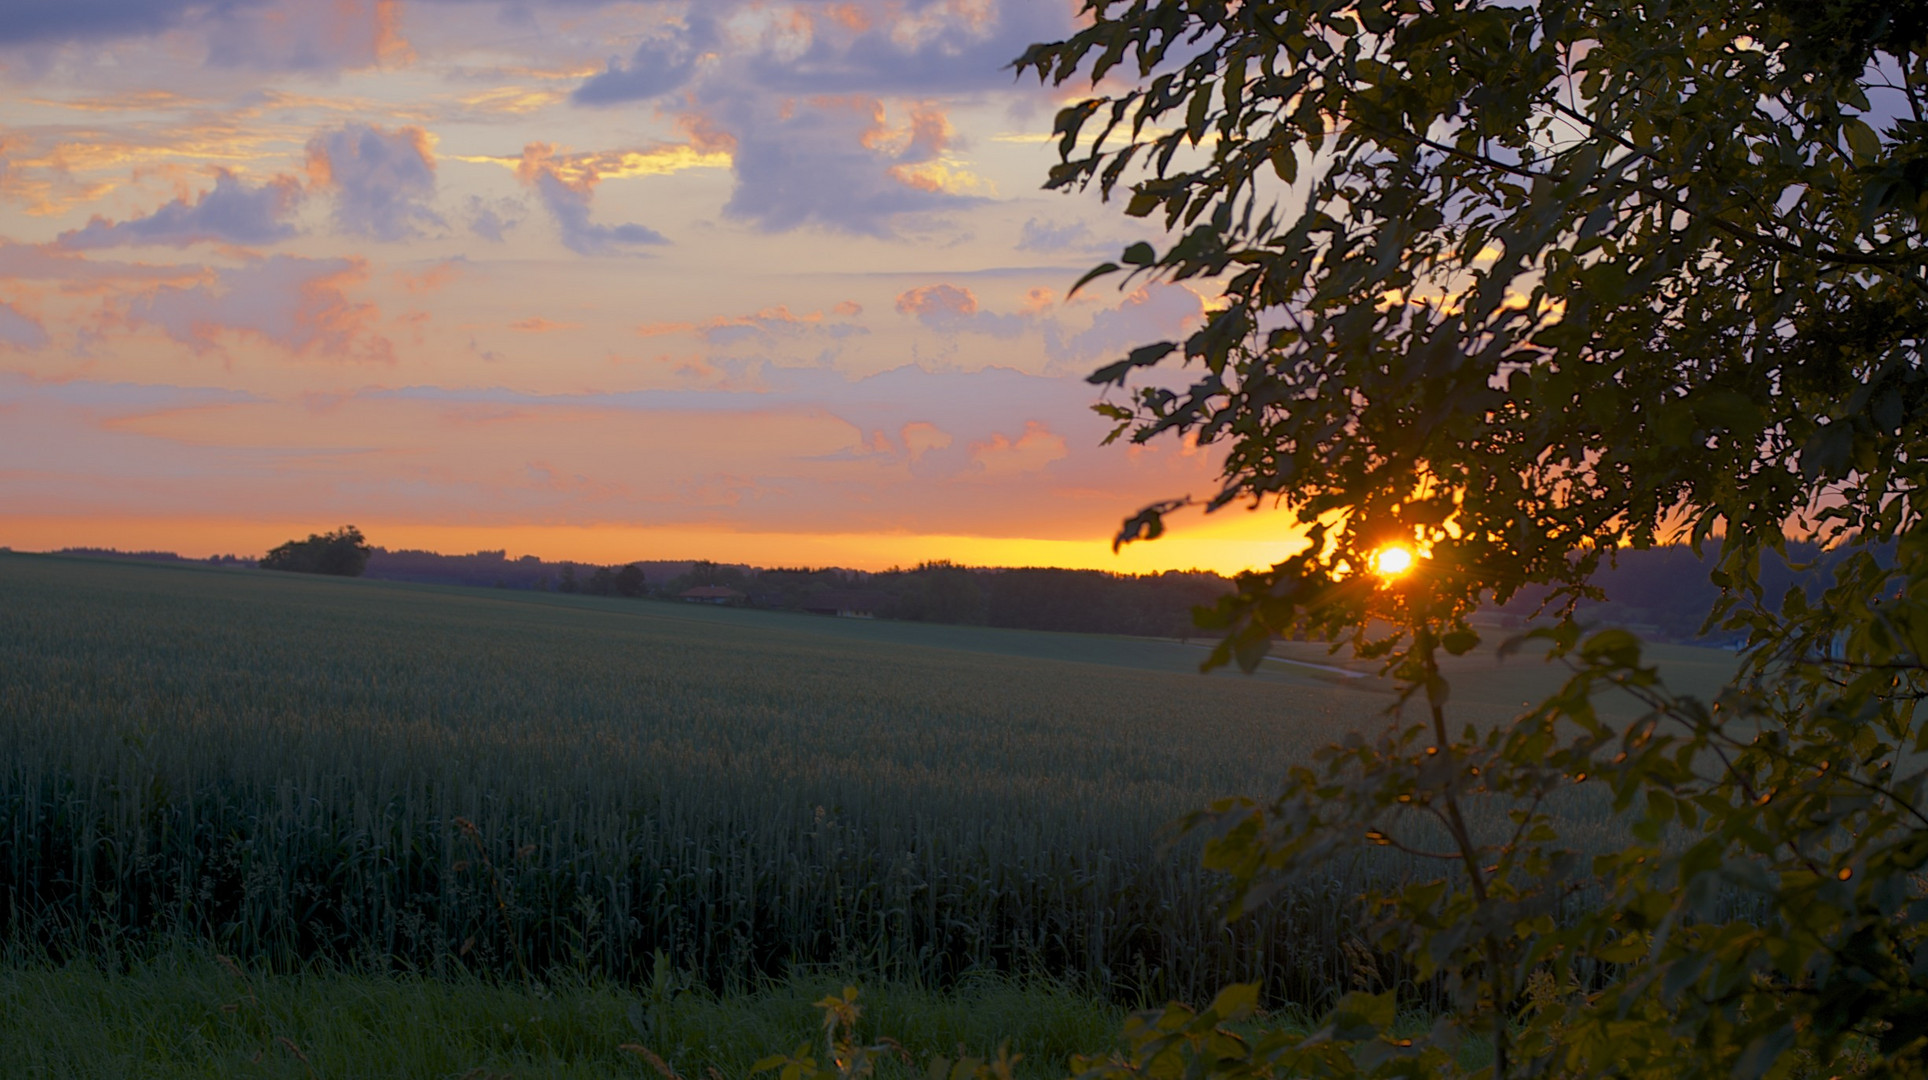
(1392, 561)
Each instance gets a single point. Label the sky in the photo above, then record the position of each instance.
(751, 280)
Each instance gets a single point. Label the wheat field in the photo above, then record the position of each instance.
(297, 771)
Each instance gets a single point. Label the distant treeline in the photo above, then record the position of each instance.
(495, 570)
(156, 556)
(1079, 601)
(1665, 593)
(1085, 601)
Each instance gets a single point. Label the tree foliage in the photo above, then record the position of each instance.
(343, 553)
(1520, 286)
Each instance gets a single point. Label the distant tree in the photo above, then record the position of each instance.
(630, 583)
(602, 582)
(568, 582)
(342, 553)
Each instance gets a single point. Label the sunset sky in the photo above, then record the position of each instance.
(759, 281)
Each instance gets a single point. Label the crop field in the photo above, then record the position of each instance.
(391, 777)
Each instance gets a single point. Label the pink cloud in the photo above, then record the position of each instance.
(536, 324)
(302, 305)
(432, 279)
(1030, 452)
(949, 308)
(662, 329)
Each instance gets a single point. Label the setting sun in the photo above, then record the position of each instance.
(1392, 561)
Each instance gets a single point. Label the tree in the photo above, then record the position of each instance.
(343, 553)
(1515, 287)
(630, 583)
(602, 582)
(567, 583)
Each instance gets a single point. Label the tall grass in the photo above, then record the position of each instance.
(180, 1015)
(435, 780)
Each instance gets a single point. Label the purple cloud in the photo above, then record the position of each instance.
(230, 213)
(383, 180)
(270, 34)
(30, 21)
(1048, 237)
(492, 220)
(116, 398)
(660, 64)
(917, 48)
(1157, 311)
(566, 187)
(20, 330)
(568, 205)
(831, 163)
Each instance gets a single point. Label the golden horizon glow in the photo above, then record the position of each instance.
(1225, 546)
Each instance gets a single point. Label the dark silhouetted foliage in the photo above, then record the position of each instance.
(1517, 287)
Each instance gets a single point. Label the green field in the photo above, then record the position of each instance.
(447, 782)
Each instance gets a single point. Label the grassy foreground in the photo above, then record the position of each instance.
(190, 1016)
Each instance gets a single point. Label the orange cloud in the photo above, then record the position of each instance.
(391, 49)
(851, 17)
(704, 134)
(938, 301)
(539, 325)
(661, 329)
